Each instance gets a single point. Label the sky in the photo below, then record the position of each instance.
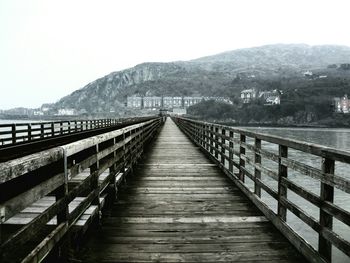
(50, 48)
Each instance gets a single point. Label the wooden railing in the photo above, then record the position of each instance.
(54, 173)
(26, 132)
(250, 158)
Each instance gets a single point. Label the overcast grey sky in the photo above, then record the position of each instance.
(50, 48)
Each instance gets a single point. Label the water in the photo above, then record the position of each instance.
(6, 129)
(335, 138)
(18, 121)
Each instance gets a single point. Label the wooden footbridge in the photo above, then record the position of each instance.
(173, 191)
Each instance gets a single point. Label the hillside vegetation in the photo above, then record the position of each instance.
(226, 74)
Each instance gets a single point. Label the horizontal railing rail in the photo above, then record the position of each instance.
(16, 133)
(54, 173)
(246, 157)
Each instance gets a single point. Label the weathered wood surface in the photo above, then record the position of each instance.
(178, 207)
(206, 135)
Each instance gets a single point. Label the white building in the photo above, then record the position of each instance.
(179, 111)
(248, 95)
(342, 105)
(38, 113)
(152, 102)
(66, 111)
(271, 97)
(168, 102)
(134, 102)
(189, 101)
(177, 102)
(308, 73)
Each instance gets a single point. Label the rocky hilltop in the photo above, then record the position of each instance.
(281, 55)
(224, 74)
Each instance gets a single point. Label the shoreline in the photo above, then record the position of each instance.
(276, 125)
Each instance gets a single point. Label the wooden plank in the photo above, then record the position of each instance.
(195, 248)
(81, 145)
(330, 208)
(295, 239)
(181, 206)
(250, 232)
(13, 169)
(193, 257)
(330, 179)
(261, 168)
(47, 244)
(186, 220)
(18, 203)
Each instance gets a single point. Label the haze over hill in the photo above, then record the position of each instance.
(224, 74)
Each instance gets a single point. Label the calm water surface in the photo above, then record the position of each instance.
(336, 138)
(6, 129)
(20, 121)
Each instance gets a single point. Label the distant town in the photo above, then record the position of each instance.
(177, 105)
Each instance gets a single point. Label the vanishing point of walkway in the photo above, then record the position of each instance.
(179, 207)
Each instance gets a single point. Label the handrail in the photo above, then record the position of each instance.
(242, 154)
(15, 133)
(50, 173)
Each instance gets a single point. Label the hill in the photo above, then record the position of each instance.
(226, 74)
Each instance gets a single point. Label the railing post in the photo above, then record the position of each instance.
(69, 127)
(206, 136)
(42, 130)
(63, 216)
(124, 155)
(113, 171)
(62, 191)
(2, 220)
(199, 134)
(195, 132)
(61, 128)
(203, 135)
(216, 143)
(241, 161)
(211, 139)
(282, 190)
(230, 162)
(223, 132)
(257, 173)
(52, 128)
(326, 220)
(139, 142)
(29, 132)
(13, 132)
(94, 170)
(192, 130)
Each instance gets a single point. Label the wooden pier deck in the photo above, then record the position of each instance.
(179, 207)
